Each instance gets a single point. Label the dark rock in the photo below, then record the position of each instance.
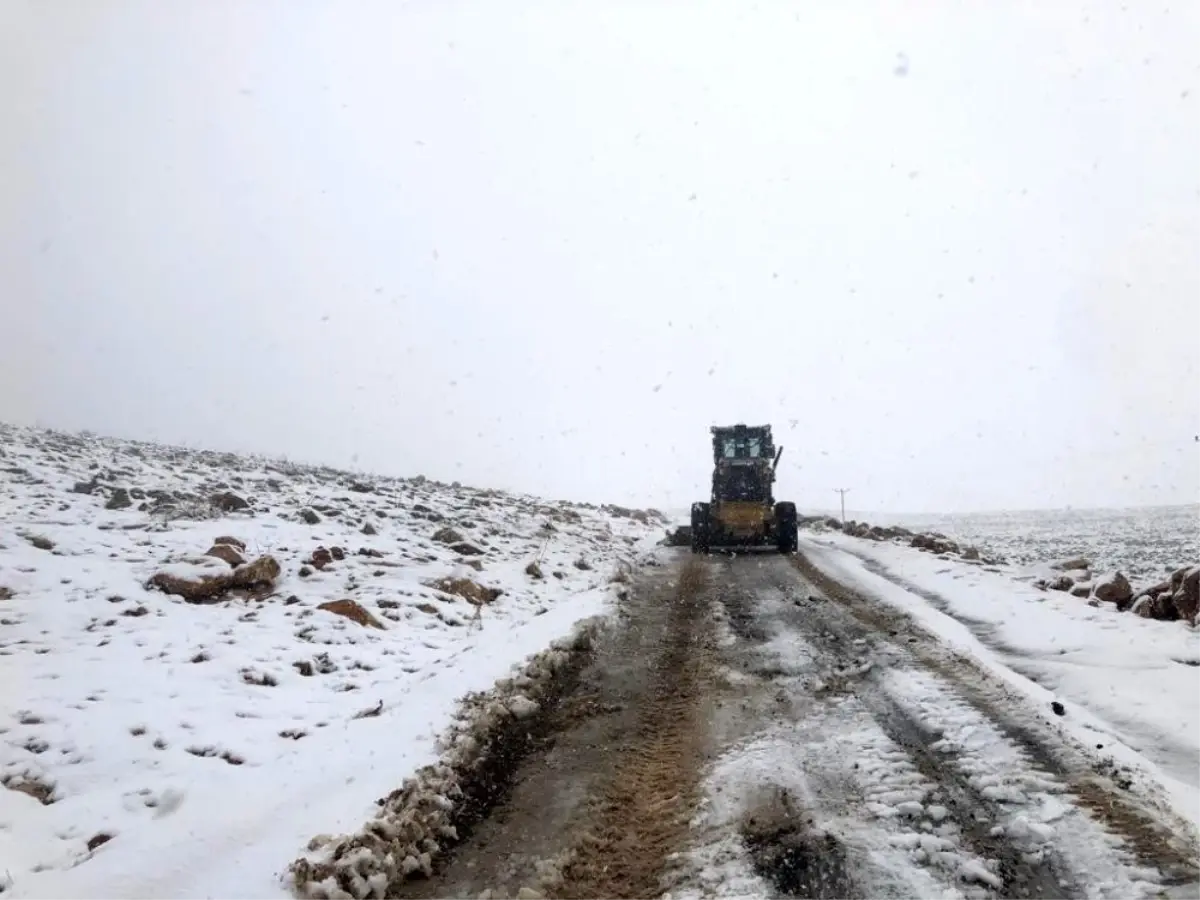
(1187, 598)
(1161, 607)
(227, 501)
(309, 516)
(1115, 589)
(98, 840)
(447, 535)
(263, 571)
(119, 500)
(1061, 583)
(227, 552)
(1068, 565)
(352, 610)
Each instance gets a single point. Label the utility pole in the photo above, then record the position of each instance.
(843, 492)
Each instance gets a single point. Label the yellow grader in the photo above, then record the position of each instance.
(743, 511)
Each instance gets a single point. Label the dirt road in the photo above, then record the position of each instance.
(752, 728)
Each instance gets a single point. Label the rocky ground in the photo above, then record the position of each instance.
(182, 629)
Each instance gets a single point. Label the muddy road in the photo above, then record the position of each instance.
(751, 727)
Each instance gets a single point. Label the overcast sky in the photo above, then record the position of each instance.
(950, 250)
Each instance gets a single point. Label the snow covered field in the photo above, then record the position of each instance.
(153, 747)
(1145, 543)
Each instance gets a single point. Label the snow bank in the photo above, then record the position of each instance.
(421, 819)
(1129, 685)
(1167, 591)
(153, 747)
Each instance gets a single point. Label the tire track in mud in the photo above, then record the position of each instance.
(973, 792)
(1171, 850)
(845, 661)
(641, 816)
(810, 798)
(602, 802)
(979, 820)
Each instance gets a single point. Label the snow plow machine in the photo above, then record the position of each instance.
(743, 511)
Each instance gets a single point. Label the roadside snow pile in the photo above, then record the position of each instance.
(423, 818)
(1176, 597)
(192, 642)
(934, 542)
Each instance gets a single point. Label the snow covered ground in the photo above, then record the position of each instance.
(1146, 544)
(1129, 684)
(157, 748)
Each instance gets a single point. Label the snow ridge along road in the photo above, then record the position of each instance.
(749, 726)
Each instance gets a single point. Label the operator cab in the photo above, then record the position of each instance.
(744, 457)
(742, 442)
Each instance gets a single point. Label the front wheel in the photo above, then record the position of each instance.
(787, 529)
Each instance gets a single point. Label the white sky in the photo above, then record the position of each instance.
(950, 250)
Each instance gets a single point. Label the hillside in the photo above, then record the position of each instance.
(242, 646)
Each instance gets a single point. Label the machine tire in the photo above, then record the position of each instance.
(787, 531)
(701, 523)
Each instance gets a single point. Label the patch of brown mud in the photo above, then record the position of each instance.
(1157, 837)
(555, 797)
(641, 816)
(797, 859)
